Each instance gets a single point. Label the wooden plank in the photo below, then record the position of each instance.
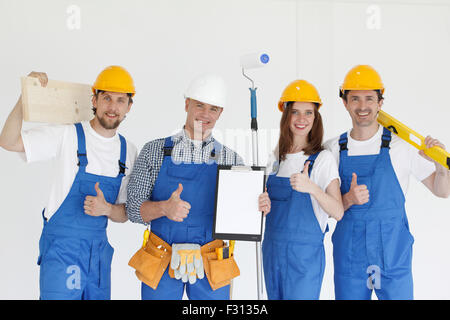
(58, 102)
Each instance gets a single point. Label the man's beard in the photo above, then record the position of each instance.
(104, 123)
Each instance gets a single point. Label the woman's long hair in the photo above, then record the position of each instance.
(286, 139)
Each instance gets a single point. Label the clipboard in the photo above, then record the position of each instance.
(236, 215)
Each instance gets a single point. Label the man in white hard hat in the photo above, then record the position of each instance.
(172, 186)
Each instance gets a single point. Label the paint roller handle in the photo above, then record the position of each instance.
(253, 107)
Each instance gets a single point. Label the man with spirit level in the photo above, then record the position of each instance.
(372, 245)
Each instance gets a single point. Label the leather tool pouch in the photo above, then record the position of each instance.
(218, 272)
(151, 261)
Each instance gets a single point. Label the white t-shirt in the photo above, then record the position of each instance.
(59, 142)
(324, 171)
(405, 158)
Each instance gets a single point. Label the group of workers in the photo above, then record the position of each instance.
(359, 178)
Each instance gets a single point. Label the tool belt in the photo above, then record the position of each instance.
(151, 261)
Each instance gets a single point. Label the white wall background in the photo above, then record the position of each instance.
(164, 44)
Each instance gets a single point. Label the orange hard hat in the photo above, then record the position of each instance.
(114, 79)
(299, 90)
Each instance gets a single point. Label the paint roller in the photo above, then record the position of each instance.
(251, 61)
(254, 60)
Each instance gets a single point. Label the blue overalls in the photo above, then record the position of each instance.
(293, 251)
(75, 256)
(372, 243)
(199, 181)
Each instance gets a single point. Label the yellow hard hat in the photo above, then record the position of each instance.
(114, 79)
(299, 90)
(362, 77)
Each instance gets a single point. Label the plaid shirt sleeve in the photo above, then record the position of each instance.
(230, 158)
(143, 178)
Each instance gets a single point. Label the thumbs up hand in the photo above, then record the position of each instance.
(175, 208)
(301, 182)
(177, 193)
(358, 193)
(97, 206)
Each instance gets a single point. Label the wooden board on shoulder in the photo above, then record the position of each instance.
(59, 102)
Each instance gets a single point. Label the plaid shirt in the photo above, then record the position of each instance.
(147, 166)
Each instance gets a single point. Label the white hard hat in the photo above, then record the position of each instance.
(208, 88)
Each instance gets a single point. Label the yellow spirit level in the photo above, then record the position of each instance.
(436, 153)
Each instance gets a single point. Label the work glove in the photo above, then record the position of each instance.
(187, 262)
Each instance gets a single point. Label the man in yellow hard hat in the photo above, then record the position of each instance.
(172, 187)
(92, 167)
(372, 245)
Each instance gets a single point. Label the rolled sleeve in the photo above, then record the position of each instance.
(230, 157)
(43, 142)
(142, 180)
(239, 161)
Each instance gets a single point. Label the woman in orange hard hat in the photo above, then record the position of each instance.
(303, 187)
(90, 188)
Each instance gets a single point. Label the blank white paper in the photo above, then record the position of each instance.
(237, 202)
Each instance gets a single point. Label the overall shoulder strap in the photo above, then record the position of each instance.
(217, 148)
(386, 138)
(168, 146)
(311, 160)
(343, 149)
(123, 155)
(343, 140)
(81, 152)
